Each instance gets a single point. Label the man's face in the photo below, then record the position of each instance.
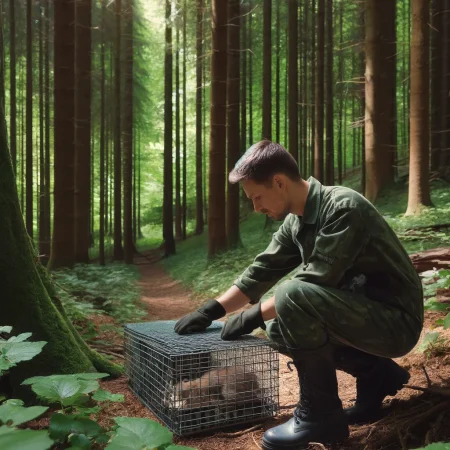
(271, 200)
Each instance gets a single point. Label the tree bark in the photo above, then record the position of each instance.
(320, 75)
(29, 125)
(292, 78)
(419, 191)
(379, 136)
(267, 71)
(199, 223)
(118, 248)
(177, 130)
(12, 88)
(82, 198)
(101, 239)
(62, 252)
(217, 241)
(277, 74)
(184, 201)
(169, 241)
(329, 85)
(128, 134)
(233, 141)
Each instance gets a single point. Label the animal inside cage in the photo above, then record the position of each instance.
(199, 382)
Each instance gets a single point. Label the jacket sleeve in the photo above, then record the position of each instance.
(338, 243)
(280, 257)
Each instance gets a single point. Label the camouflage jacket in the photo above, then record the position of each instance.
(341, 241)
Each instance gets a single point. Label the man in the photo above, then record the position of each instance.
(353, 302)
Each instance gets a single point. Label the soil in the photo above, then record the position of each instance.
(412, 417)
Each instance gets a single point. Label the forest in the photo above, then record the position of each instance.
(120, 121)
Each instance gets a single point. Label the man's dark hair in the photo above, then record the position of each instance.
(262, 161)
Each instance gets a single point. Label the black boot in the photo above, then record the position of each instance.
(376, 378)
(319, 417)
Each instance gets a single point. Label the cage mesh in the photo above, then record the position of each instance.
(199, 382)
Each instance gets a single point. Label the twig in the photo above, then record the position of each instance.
(431, 390)
(426, 375)
(256, 444)
(239, 433)
(288, 406)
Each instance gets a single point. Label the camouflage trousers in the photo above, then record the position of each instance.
(309, 316)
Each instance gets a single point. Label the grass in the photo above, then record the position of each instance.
(190, 265)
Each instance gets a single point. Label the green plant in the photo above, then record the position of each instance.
(437, 446)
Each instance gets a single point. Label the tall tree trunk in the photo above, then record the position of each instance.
(199, 223)
(313, 84)
(250, 73)
(267, 71)
(12, 86)
(379, 139)
(101, 239)
(318, 136)
(444, 159)
(62, 253)
(41, 135)
(82, 198)
(341, 91)
(277, 74)
(437, 43)
(169, 241)
(118, 249)
(304, 87)
(329, 83)
(128, 135)
(29, 125)
(233, 81)
(217, 151)
(45, 244)
(243, 102)
(177, 130)
(362, 92)
(184, 205)
(292, 79)
(419, 190)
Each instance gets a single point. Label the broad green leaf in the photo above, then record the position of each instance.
(14, 439)
(15, 402)
(429, 338)
(86, 412)
(447, 321)
(21, 351)
(59, 391)
(61, 426)
(103, 396)
(4, 364)
(88, 386)
(137, 433)
(80, 441)
(436, 306)
(20, 338)
(5, 329)
(15, 415)
(437, 446)
(91, 376)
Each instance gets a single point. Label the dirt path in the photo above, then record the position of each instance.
(167, 299)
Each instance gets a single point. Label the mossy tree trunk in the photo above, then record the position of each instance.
(28, 300)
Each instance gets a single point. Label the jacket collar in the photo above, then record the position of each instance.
(313, 200)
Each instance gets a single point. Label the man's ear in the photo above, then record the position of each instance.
(279, 181)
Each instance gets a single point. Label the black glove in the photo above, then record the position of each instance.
(201, 319)
(243, 323)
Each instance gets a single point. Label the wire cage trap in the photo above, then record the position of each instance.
(199, 382)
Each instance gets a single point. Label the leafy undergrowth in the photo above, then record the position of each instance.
(90, 290)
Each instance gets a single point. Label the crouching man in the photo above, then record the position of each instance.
(353, 302)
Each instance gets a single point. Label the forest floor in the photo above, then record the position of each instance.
(412, 417)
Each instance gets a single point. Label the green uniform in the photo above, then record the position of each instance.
(354, 283)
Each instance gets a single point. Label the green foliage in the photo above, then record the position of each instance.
(437, 446)
(13, 439)
(110, 289)
(15, 349)
(12, 412)
(142, 434)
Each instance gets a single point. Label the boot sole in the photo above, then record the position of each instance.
(268, 446)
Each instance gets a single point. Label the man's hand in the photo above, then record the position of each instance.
(243, 323)
(201, 319)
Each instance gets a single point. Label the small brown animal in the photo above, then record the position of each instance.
(228, 385)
